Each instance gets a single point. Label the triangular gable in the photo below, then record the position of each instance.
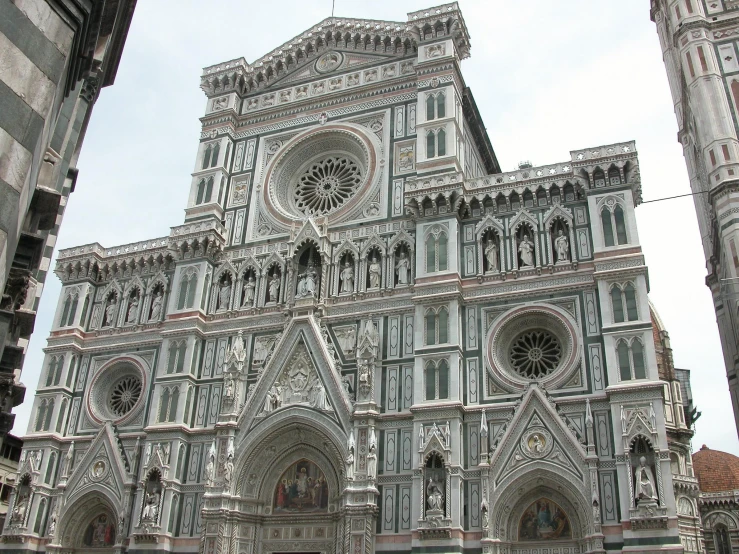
(104, 464)
(309, 232)
(523, 217)
(401, 238)
(159, 278)
(538, 434)
(250, 262)
(489, 222)
(135, 282)
(346, 246)
(225, 266)
(300, 352)
(374, 242)
(558, 211)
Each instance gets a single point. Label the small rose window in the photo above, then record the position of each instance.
(326, 185)
(124, 395)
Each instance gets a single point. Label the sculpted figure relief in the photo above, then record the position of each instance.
(224, 295)
(644, 481)
(274, 288)
(403, 269)
(307, 282)
(375, 273)
(249, 290)
(435, 495)
(156, 306)
(347, 278)
(110, 312)
(151, 509)
(491, 255)
(133, 310)
(526, 249)
(562, 247)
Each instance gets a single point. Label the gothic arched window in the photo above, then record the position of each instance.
(721, 539)
(201, 192)
(435, 106)
(614, 176)
(51, 470)
(605, 218)
(437, 326)
(430, 144)
(40, 416)
(60, 417)
(176, 360)
(214, 156)
(441, 105)
(206, 156)
(69, 310)
(208, 190)
(54, 373)
(437, 380)
(168, 405)
(631, 360)
(186, 298)
(624, 303)
(49, 414)
(430, 111)
(618, 215)
(441, 142)
(436, 250)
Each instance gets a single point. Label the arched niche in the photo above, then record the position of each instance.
(89, 524)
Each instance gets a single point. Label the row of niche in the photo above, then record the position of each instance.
(350, 273)
(377, 270)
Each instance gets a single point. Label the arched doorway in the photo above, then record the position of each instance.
(90, 525)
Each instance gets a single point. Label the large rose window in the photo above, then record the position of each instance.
(124, 395)
(326, 185)
(331, 171)
(535, 354)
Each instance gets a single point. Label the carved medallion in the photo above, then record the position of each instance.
(537, 443)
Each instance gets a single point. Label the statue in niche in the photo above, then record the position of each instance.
(156, 306)
(250, 288)
(372, 458)
(375, 273)
(273, 400)
(110, 312)
(347, 339)
(526, 249)
(307, 282)
(365, 373)
(491, 254)
(274, 288)
(133, 309)
(229, 389)
(210, 468)
(224, 294)
(350, 464)
(644, 480)
(228, 466)
(435, 496)
(318, 398)
(151, 509)
(21, 505)
(403, 269)
(347, 278)
(562, 247)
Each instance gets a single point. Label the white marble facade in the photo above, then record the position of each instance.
(329, 356)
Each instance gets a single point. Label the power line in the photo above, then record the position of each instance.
(672, 197)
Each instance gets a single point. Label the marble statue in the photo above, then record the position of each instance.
(210, 468)
(526, 249)
(491, 255)
(274, 288)
(372, 457)
(151, 509)
(249, 290)
(133, 310)
(318, 398)
(644, 481)
(403, 269)
(224, 295)
(435, 495)
(350, 465)
(347, 278)
(19, 510)
(375, 273)
(272, 400)
(228, 466)
(562, 247)
(110, 312)
(156, 306)
(307, 282)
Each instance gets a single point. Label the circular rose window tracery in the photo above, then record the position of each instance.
(116, 391)
(535, 354)
(326, 185)
(124, 395)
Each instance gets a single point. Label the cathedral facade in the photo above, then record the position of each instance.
(365, 337)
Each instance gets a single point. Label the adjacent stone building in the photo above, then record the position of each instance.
(364, 337)
(699, 46)
(54, 57)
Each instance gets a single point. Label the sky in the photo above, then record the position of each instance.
(548, 78)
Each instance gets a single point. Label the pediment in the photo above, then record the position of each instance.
(104, 464)
(537, 434)
(301, 372)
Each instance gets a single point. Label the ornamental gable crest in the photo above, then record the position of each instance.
(537, 435)
(103, 465)
(299, 373)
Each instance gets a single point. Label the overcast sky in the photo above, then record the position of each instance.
(548, 77)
